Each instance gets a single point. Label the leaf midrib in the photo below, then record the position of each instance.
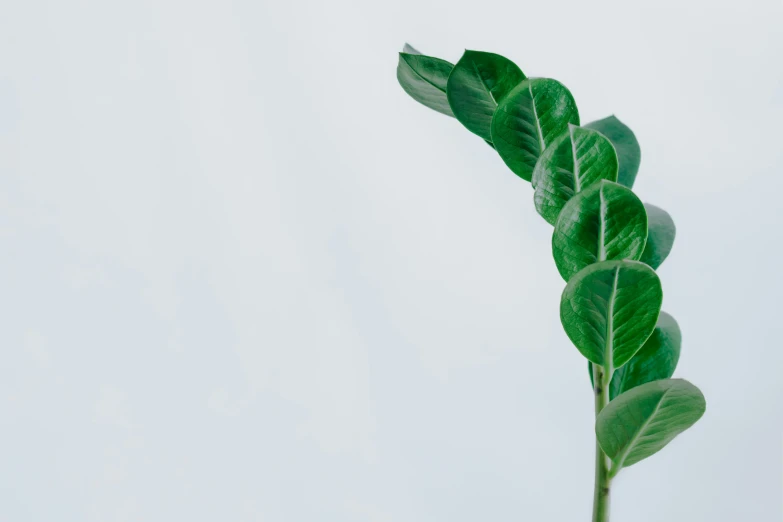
(577, 182)
(535, 117)
(423, 78)
(602, 222)
(609, 341)
(481, 81)
(624, 455)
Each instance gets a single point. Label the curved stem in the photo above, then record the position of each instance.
(602, 478)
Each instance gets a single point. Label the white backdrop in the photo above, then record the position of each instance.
(245, 277)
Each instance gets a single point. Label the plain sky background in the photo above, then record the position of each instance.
(246, 278)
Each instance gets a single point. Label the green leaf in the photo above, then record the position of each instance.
(477, 83)
(529, 119)
(640, 422)
(573, 162)
(656, 360)
(624, 141)
(609, 310)
(604, 221)
(660, 236)
(424, 79)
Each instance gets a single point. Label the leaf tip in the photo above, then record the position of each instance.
(409, 49)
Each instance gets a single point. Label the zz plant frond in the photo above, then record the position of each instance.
(606, 244)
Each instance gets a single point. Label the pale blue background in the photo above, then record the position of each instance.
(246, 278)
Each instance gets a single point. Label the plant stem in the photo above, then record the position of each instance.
(602, 479)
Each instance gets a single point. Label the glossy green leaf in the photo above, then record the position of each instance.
(609, 310)
(529, 119)
(573, 162)
(640, 422)
(477, 83)
(604, 221)
(660, 236)
(628, 151)
(656, 360)
(424, 79)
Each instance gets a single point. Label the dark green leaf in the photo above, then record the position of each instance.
(477, 83)
(656, 360)
(573, 162)
(640, 422)
(604, 221)
(660, 236)
(609, 310)
(530, 118)
(424, 79)
(624, 141)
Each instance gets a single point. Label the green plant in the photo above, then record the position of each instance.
(606, 244)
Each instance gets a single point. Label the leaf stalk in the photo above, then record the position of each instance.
(603, 478)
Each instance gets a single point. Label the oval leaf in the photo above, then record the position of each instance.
(640, 422)
(609, 310)
(628, 151)
(604, 221)
(529, 119)
(654, 361)
(573, 162)
(660, 236)
(424, 79)
(477, 83)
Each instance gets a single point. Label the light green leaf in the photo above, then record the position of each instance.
(640, 422)
(573, 162)
(604, 221)
(660, 236)
(529, 119)
(624, 141)
(477, 83)
(609, 310)
(424, 79)
(656, 360)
